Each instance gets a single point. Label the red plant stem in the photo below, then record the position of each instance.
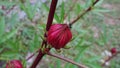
(82, 14)
(111, 57)
(51, 14)
(32, 55)
(38, 58)
(67, 60)
(49, 23)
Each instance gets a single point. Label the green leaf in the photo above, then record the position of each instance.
(93, 65)
(8, 36)
(11, 54)
(99, 3)
(94, 59)
(79, 8)
(104, 34)
(62, 12)
(55, 15)
(2, 25)
(1, 49)
(57, 18)
(7, 3)
(82, 49)
(88, 3)
(4, 58)
(58, 63)
(35, 43)
(1, 11)
(100, 10)
(29, 9)
(45, 7)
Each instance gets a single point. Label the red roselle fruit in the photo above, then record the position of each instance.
(59, 35)
(14, 64)
(113, 50)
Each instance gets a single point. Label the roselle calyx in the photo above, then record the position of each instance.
(113, 50)
(14, 64)
(59, 35)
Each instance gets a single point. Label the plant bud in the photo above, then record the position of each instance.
(59, 35)
(113, 50)
(14, 64)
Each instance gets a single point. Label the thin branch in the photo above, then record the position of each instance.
(22, 1)
(67, 60)
(38, 58)
(82, 14)
(10, 9)
(111, 57)
(32, 55)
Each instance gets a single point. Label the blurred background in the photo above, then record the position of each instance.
(23, 22)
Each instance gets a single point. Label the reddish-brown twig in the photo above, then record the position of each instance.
(111, 57)
(32, 55)
(82, 14)
(51, 14)
(44, 43)
(67, 60)
(10, 9)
